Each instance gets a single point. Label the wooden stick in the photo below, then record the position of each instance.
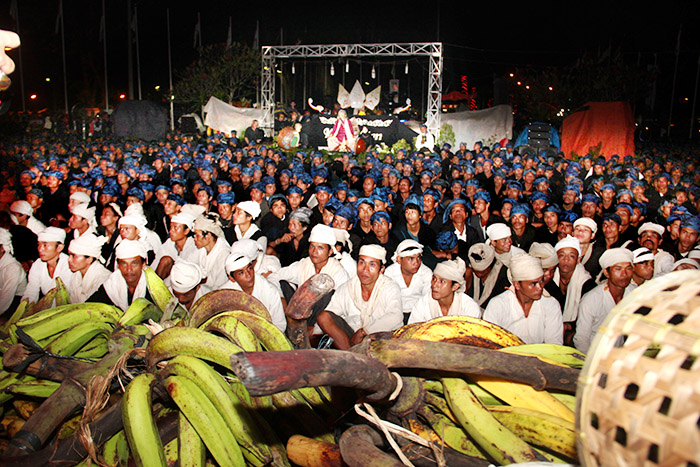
(46, 367)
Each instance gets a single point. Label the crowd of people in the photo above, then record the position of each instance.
(543, 246)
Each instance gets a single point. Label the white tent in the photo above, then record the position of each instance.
(488, 126)
(226, 118)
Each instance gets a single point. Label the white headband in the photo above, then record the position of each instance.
(651, 227)
(454, 271)
(6, 241)
(251, 207)
(568, 242)
(524, 267)
(185, 276)
(343, 236)
(374, 251)
(184, 218)
(80, 197)
(408, 247)
(87, 245)
(248, 247)
(481, 256)
(236, 261)
(84, 211)
(642, 254)
(545, 252)
(498, 231)
(52, 234)
(614, 256)
(22, 207)
(586, 222)
(136, 220)
(323, 234)
(130, 249)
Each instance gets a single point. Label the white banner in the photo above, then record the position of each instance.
(488, 126)
(224, 117)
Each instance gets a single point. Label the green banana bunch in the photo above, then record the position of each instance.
(21, 310)
(501, 444)
(42, 388)
(180, 340)
(162, 296)
(561, 354)
(234, 330)
(451, 435)
(140, 426)
(206, 420)
(62, 296)
(115, 451)
(95, 349)
(74, 338)
(171, 452)
(226, 403)
(139, 311)
(57, 320)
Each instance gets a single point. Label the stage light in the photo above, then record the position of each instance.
(374, 73)
(33, 96)
(48, 80)
(551, 88)
(293, 69)
(157, 88)
(122, 96)
(405, 70)
(511, 75)
(519, 83)
(332, 70)
(347, 67)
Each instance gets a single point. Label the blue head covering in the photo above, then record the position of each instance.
(347, 211)
(226, 198)
(342, 186)
(177, 198)
(520, 208)
(590, 198)
(626, 206)
(482, 195)
(453, 203)
(415, 200)
(446, 240)
(553, 208)
(612, 217)
(295, 189)
(691, 222)
(381, 216)
(434, 193)
(325, 188)
(137, 192)
(364, 200)
(568, 216)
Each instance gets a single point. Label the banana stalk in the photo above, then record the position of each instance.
(222, 300)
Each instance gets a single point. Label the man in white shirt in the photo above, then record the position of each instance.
(425, 139)
(88, 273)
(500, 237)
(242, 276)
(367, 303)
(180, 245)
(409, 272)
(186, 282)
(446, 296)
(320, 260)
(13, 279)
(650, 235)
(82, 220)
(213, 249)
(52, 263)
(522, 309)
(264, 264)
(23, 214)
(596, 304)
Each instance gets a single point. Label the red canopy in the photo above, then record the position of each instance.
(606, 125)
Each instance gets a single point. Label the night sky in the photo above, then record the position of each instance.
(481, 39)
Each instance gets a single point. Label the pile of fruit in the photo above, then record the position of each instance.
(86, 384)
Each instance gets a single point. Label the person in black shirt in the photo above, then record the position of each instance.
(253, 134)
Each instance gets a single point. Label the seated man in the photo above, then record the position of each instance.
(186, 283)
(128, 282)
(13, 279)
(180, 245)
(523, 310)
(409, 272)
(213, 249)
(596, 304)
(84, 256)
(490, 276)
(446, 296)
(642, 266)
(52, 263)
(367, 303)
(500, 238)
(242, 276)
(650, 235)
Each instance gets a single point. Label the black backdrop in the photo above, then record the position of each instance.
(383, 128)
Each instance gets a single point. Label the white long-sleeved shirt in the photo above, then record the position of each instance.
(544, 323)
(385, 315)
(592, 311)
(268, 294)
(82, 287)
(427, 308)
(189, 252)
(13, 281)
(39, 282)
(300, 271)
(420, 284)
(213, 263)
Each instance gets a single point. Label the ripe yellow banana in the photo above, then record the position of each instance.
(568, 400)
(71, 340)
(205, 419)
(461, 330)
(227, 404)
(523, 395)
(140, 426)
(192, 452)
(139, 311)
(551, 353)
(501, 444)
(539, 428)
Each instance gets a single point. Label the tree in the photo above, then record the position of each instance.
(226, 72)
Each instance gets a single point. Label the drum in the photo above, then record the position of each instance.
(287, 138)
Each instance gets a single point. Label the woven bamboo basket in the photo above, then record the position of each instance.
(638, 398)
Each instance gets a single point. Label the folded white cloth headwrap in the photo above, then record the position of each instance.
(130, 249)
(185, 276)
(6, 241)
(52, 234)
(524, 267)
(481, 256)
(374, 251)
(587, 222)
(194, 209)
(568, 242)
(498, 231)
(343, 236)
(137, 220)
(87, 245)
(22, 207)
(688, 261)
(453, 270)
(251, 207)
(642, 254)
(408, 247)
(650, 226)
(80, 197)
(134, 208)
(615, 255)
(236, 261)
(84, 211)
(322, 234)
(545, 252)
(248, 247)
(184, 218)
(209, 224)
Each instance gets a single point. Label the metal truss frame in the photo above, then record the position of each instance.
(433, 50)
